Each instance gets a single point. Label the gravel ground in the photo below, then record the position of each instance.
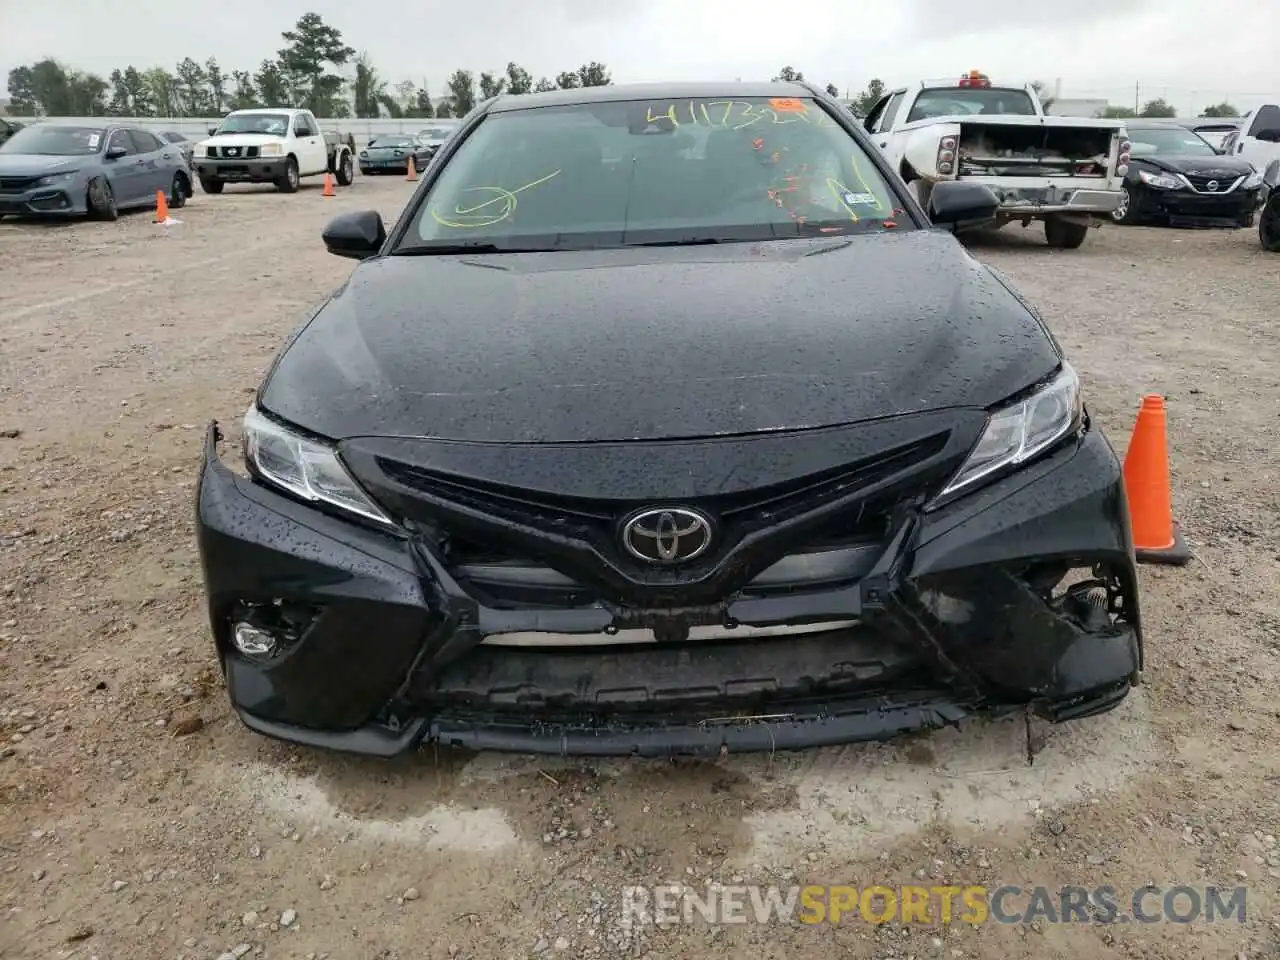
(138, 819)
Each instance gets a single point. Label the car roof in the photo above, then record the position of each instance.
(704, 90)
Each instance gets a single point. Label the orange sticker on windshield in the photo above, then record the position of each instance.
(787, 105)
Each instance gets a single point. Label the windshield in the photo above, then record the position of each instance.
(605, 174)
(435, 133)
(49, 140)
(391, 142)
(1148, 143)
(272, 124)
(965, 101)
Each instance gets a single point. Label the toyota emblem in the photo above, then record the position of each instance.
(1212, 186)
(667, 535)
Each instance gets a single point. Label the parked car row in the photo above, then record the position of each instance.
(71, 169)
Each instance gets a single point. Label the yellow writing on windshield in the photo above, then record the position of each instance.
(734, 114)
(500, 205)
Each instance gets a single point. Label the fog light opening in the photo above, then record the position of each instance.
(263, 630)
(253, 641)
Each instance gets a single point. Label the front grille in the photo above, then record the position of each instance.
(1223, 184)
(522, 570)
(16, 184)
(234, 153)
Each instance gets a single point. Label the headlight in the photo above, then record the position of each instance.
(1253, 181)
(364, 154)
(270, 150)
(309, 470)
(56, 178)
(1020, 432)
(1161, 181)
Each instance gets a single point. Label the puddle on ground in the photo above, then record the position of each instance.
(382, 812)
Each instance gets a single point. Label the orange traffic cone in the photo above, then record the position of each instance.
(162, 207)
(411, 170)
(1156, 537)
(328, 186)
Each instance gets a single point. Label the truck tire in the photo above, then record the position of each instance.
(209, 185)
(1064, 234)
(346, 171)
(289, 182)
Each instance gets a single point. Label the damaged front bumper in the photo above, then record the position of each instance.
(380, 647)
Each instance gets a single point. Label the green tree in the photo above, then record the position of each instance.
(518, 79)
(425, 108)
(542, 86)
(369, 92)
(569, 80)
(313, 48)
(193, 88)
(462, 92)
(594, 74)
(491, 86)
(789, 74)
(406, 99)
(244, 95)
(23, 101)
(1157, 108)
(119, 105)
(444, 109)
(869, 97)
(273, 91)
(140, 102)
(1223, 109)
(1118, 113)
(217, 86)
(833, 90)
(162, 88)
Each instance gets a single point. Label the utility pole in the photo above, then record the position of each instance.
(1137, 96)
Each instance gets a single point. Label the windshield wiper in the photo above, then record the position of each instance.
(475, 246)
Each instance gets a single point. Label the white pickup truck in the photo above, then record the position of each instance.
(1065, 171)
(277, 145)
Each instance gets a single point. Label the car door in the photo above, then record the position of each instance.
(1265, 120)
(312, 155)
(123, 172)
(153, 161)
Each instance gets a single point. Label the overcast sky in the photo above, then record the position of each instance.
(1190, 51)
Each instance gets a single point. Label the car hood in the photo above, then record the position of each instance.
(1228, 168)
(38, 164)
(658, 343)
(241, 140)
(407, 148)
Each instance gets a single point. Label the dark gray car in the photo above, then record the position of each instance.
(77, 169)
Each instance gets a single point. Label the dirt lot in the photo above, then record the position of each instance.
(126, 831)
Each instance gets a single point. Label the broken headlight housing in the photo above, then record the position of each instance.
(308, 469)
(1023, 430)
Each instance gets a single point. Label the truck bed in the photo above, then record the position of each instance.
(1001, 149)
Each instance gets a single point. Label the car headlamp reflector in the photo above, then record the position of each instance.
(53, 179)
(1021, 431)
(270, 150)
(305, 468)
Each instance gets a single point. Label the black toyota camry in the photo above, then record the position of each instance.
(1175, 175)
(662, 421)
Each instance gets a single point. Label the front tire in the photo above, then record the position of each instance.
(101, 201)
(1063, 234)
(1127, 212)
(179, 190)
(346, 170)
(209, 185)
(289, 182)
(1269, 227)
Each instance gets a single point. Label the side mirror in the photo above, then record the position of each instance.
(357, 236)
(213, 131)
(1269, 135)
(115, 153)
(954, 202)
